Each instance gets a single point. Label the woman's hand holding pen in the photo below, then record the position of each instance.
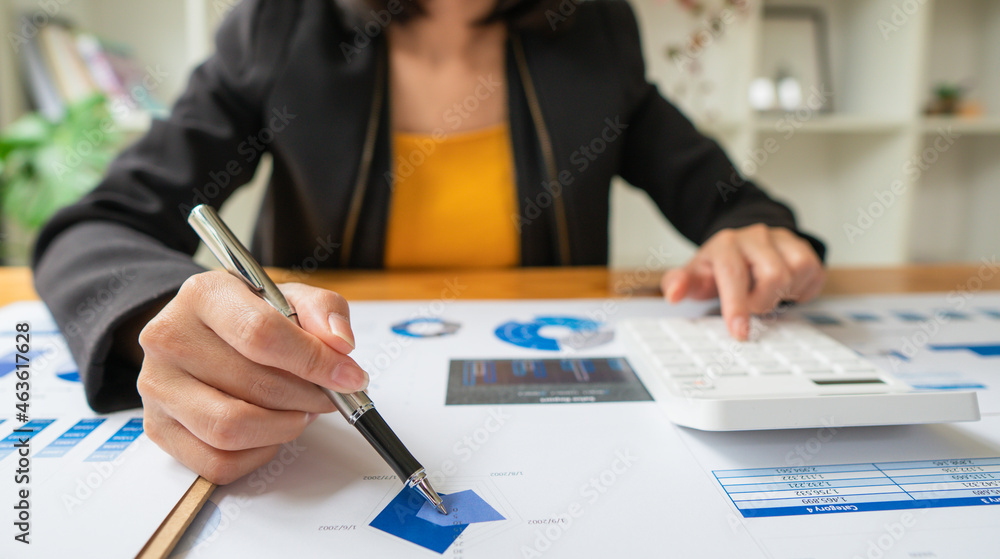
(226, 379)
(750, 270)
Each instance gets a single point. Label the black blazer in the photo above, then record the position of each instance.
(295, 79)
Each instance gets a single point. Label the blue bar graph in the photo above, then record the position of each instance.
(992, 313)
(908, 316)
(520, 368)
(822, 319)
(113, 447)
(953, 315)
(982, 350)
(70, 438)
(26, 431)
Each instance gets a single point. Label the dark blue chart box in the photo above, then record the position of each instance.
(543, 381)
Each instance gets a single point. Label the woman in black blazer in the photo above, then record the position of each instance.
(326, 87)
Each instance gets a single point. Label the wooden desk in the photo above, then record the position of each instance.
(542, 283)
(555, 283)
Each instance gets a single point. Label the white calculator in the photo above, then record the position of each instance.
(790, 375)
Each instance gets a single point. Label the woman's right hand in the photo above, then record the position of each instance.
(226, 379)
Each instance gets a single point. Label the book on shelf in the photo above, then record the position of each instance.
(62, 65)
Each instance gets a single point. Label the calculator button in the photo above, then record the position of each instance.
(684, 371)
(668, 359)
(772, 369)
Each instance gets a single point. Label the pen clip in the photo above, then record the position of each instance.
(235, 258)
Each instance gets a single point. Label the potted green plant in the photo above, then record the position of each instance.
(45, 166)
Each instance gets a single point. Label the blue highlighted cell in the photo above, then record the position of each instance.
(400, 519)
(70, 438)
(865, 317)
(464, 507)
(23, 433)
(116, 445)
(982, 350)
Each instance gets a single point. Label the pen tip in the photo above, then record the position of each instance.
(440, 509)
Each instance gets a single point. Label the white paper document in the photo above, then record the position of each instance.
(528, 417)
(74, 483)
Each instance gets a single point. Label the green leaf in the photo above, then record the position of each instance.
(28, 131)
(46, 166)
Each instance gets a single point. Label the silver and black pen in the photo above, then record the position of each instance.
(357, 408)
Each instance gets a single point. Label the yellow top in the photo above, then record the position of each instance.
(454, 201)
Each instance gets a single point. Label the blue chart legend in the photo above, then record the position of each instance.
(410, 517)
(543, 381)
(113, 447)
(810, 490)
(24, 432)
(72, 437)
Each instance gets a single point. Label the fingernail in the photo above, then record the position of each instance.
(350, 377)
(671, 289)
(341, 328)
(739, 326)
(310, 417)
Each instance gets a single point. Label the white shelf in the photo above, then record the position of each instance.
(829, 124)
(829, 166)
(978, 126)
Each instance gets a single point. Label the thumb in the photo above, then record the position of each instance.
(322, 313)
